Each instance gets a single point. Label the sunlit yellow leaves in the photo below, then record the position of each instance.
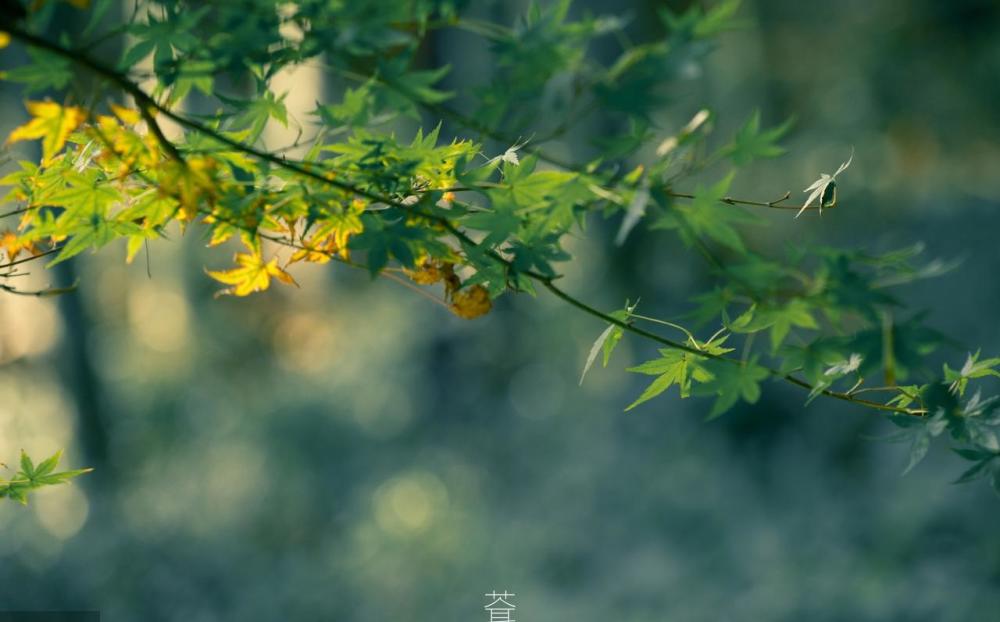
(124, 147)
(471, 302)
(317, 250)
(190, 183)
(253, 275)
(224, 229)
(221, 232)
(427, 273)
(52, 123)
(331, 235)
(127, 115)
(4, 39)
(14, 245)
(343, 226)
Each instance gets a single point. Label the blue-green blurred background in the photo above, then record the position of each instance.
(350, 451)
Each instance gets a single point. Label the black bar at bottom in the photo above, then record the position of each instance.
(50, 616)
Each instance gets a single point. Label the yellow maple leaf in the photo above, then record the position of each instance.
(331, 236)
(427, 272)
(253, 275)
(52, 123)
(471, 302)
(13, 245)
(124, 147)
(316, 250)
(190, 183)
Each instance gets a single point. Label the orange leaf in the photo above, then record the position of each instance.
(13, 245)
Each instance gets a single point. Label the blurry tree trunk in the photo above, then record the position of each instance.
(79, 375)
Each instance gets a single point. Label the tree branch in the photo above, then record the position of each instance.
(145, 101)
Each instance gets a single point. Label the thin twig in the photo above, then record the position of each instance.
(31, 258)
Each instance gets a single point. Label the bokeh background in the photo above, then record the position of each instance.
(350, 451)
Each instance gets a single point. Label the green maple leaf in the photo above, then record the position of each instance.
(31, 477)
(779, 319)
(678, 367)
(707, 216)
(751, 143)
(730, 382)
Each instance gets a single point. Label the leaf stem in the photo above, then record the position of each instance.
(665, 323)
